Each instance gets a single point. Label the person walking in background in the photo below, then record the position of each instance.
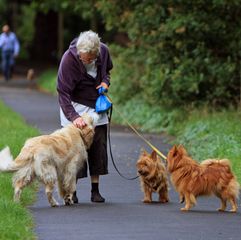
(9, 45)
(84, 68)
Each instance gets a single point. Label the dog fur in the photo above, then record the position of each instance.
(212, 176)
(52, 158)
(153, 177)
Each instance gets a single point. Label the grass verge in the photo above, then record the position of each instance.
(47, 81)
(15, 220)
(213, 135)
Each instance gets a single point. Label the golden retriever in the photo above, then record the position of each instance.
(52, 158)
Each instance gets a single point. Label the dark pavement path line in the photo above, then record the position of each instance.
(123, 216)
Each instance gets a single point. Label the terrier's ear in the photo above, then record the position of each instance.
(144, 152)
(154, 155)
(174, 150)
(181, 149)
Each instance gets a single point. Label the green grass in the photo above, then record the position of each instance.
(213, 135)
(15, 220)
(146, 118)
(47, 81)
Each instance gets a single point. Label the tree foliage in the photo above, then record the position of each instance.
(86, 9)
(178, 52)
(188, 51)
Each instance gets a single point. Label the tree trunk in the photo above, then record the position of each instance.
(60, 35)
(14, 16)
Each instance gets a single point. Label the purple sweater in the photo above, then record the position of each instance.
(75, 84)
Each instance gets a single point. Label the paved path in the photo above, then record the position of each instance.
(123, 216)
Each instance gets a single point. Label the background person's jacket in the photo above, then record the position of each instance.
(9, 42)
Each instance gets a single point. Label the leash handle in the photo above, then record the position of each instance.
(146, 141)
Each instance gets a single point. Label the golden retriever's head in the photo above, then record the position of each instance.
(90, 119)
(146, 164)
(87, 132)
(174, 156)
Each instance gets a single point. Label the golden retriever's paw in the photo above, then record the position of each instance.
(68, 201)
(184, 209)
(146, 200)
(54, 204)
(233, 210)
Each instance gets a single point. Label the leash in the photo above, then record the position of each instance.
(138, 134)
(111, 155)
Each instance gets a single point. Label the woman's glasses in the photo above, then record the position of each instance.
(87, 58)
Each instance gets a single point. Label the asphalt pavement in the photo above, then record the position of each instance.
(123, 216)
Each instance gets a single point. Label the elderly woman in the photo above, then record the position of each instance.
(84, 68)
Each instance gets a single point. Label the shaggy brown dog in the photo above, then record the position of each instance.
(192, 179)
(153, 177)
(51, 158)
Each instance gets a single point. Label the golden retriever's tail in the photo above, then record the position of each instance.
(7, 163)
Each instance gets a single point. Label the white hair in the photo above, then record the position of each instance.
(88, 42)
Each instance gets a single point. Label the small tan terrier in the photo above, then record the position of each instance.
(153, 176)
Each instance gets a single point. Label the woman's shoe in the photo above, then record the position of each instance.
(74, 198)
(96, 197)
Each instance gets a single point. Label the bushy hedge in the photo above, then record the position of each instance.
(179, 52)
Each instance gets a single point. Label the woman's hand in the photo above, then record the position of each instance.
(103, 84)
(79, 122)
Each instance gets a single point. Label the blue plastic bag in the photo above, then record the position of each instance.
(102, 90)
(102, 103)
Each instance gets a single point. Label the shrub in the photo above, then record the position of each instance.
(180, 52)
